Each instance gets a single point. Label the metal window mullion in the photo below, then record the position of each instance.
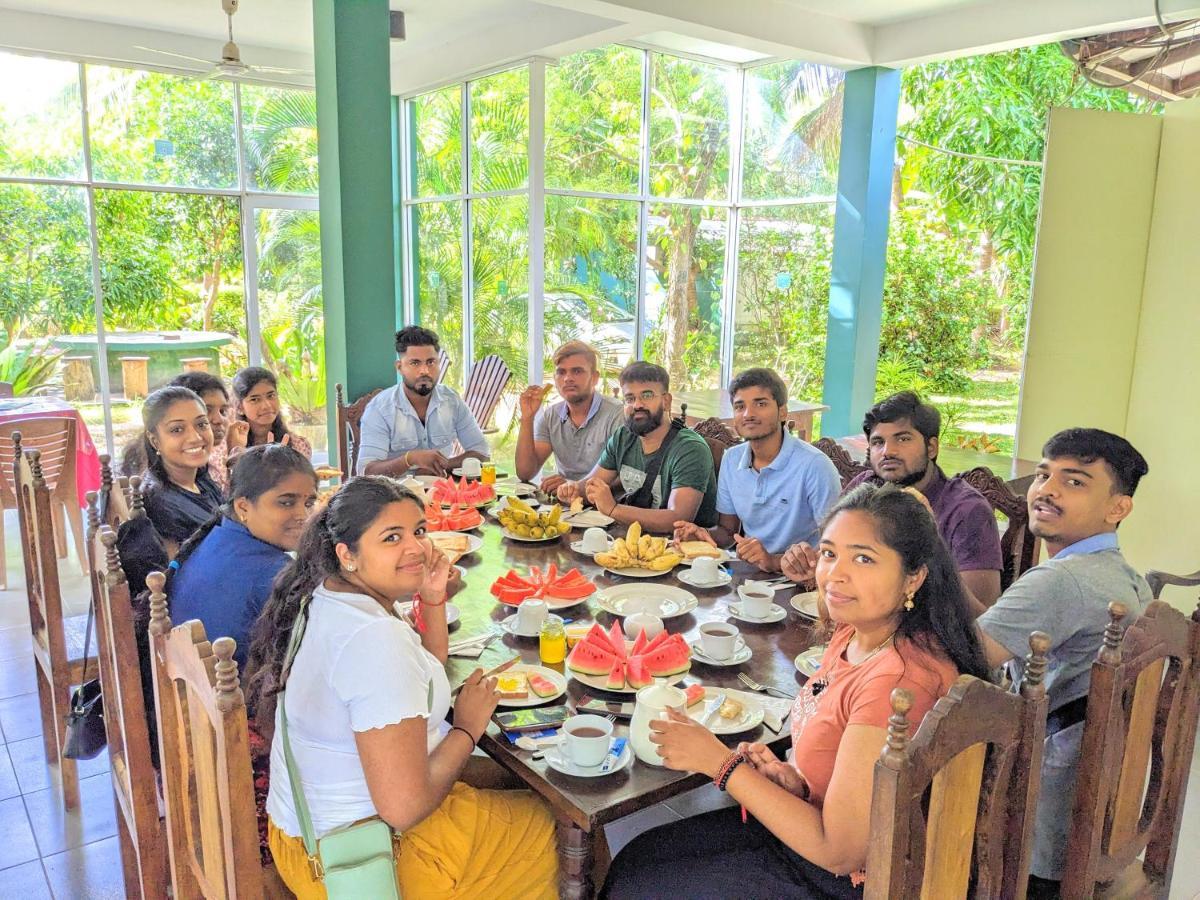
(407, 269)
(250, 283)
(536, 217)
(643, 211)
(468, 286)
(730, 284)
(97, 281)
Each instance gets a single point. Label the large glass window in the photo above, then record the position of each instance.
(437, 271)
(500, 131)
(500, 272)
(41, 121)
(280, 128)
(437, 130)
(689, 129)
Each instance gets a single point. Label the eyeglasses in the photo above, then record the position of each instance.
(644, 396)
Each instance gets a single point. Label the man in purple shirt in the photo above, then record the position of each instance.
(902, 438)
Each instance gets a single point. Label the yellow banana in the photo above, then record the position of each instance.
(658, 547)
(632, 536)
(519, 505)
(646, 547)
(608, 560)
(664, 562)
(555, 512)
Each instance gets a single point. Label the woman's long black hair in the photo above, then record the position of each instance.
(244, 382)
(153, 410)
(344, 520)
(258, 470)
(940, 620)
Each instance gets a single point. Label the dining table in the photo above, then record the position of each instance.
(583, 806)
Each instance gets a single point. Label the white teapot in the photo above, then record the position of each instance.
(653, 701)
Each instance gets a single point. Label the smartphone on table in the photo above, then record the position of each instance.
(533, 719)
(605, 708)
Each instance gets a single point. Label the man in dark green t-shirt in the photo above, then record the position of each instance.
(686, 486)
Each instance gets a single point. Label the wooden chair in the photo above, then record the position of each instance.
(134, 780)
(1019, 547)
(58, 642)
(847, 468)
(952, 810)
(1159, 580)
(55, 438)
(717, 435)
(443, 365)
(6, 389)
(1136, 754)
(488, 379)
(212, 834)
(114, 502)
(349, 428)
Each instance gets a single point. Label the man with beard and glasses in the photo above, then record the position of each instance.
(575, 429)
(902, 439)
(413, 425)
(652, 470)
(774, 489)
(1081, 493)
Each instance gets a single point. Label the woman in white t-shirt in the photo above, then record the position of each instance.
(367, 697)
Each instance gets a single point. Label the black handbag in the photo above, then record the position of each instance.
(86, 736)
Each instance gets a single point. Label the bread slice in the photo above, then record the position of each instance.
(454, 546)
(696, 549)
(513, 686)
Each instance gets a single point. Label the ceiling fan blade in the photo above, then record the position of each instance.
(206, 62)
(275, 71)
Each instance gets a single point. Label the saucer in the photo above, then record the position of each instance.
(577, 546)
(510, 626)
(777, 614)
(688, 576)
(809, 661)
(557, 761)
(405, 609)
(741, 653)
(806, 604)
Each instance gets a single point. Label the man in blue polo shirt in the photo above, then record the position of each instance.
(773, 490)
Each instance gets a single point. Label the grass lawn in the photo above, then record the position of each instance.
(979, 425)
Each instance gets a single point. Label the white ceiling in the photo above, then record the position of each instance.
(451, 38)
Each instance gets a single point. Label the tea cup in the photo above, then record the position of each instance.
(756, 600)
(586, 739)
(595, 540)
(530, 616)
(706, 570)
(472, 467)
(718, 640)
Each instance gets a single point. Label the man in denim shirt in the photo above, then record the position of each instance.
(413, 425)
(1082, 491)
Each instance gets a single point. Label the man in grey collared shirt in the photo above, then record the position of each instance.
(575, 429)
(413, 425)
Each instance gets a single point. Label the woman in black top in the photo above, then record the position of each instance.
(179, 494)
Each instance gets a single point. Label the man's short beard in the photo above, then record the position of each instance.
(913, 477)
(424, 389)
(652, 421)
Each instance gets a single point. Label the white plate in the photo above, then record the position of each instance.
(553, 603)
(805, 604)
(636, 573)
(588, 518)
(494, 511)
(777, 614)
(689, 577)
(808, 662)
(740, 654)
(725, 557)
(577, 546)
(404, 608)
(751, 717)
(560, 682)
(426, 480)
(474, 541)
(510, 485)
(599, 682)
(556, 759)
(510, 626)
(513, 536)
(663, 600)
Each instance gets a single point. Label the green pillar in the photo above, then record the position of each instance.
(358, 252)
(860, 231)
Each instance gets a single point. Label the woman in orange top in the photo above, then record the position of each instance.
(902, 620)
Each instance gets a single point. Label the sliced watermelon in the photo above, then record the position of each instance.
(639, 644)
(637, 673)
(671, 657)
(616, 676)
(693, 692)
(587, 658)
(657, 641)
(616, 637)
(598, 636)
(542, 686)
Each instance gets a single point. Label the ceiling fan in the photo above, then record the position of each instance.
(230, 65)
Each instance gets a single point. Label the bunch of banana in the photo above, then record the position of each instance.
(522, 519)
(639, 551)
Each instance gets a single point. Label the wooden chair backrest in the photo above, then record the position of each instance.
(349, 428)
(847, 468)
(34, 511)
(134, 793)
(114, 500)
(55, 438)
(488, 379)
(718, 436)
(1159, 580)
(1136, 754)
(444, 362)
(952, 810)
(1018, 545)
(204, 751)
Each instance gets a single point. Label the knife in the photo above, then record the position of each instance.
(614, 753)
(504, 666)
(712, 710)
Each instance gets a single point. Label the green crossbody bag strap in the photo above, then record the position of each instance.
(302, 814)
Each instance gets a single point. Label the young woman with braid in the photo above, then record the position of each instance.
(366, 699)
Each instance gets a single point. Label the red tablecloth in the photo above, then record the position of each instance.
(87, 459)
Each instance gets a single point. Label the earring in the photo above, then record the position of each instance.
(350, 567)
(908, 604)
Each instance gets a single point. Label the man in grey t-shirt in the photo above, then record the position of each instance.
(1082, 491)
(575, 429)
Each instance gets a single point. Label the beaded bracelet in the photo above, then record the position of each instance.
(474, 743)
(721, 779)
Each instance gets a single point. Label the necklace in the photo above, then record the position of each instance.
(825, 680)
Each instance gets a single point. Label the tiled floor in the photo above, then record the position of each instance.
(47, 852)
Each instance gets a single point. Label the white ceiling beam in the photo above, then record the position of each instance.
(771, 27)
(1007, 24)
(110, 44)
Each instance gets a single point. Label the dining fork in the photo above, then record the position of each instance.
(763, 688)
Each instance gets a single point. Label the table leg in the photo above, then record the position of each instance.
(804, 425)
(574, 862)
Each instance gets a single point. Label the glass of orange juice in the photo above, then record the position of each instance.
(487, 473)
(552, 642)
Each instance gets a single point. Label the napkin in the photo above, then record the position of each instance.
(589, 518)
(471, 647)
(775, 709)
